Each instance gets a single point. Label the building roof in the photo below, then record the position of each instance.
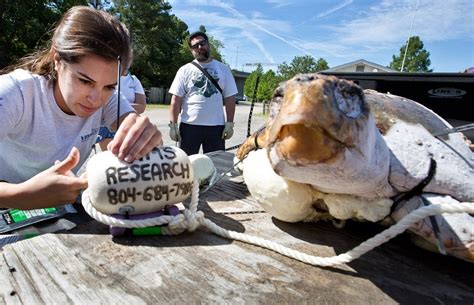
(237, 73)
(359, 62)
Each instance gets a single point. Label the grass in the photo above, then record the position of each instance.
(163, 106)
(156, 106)
(259, 114)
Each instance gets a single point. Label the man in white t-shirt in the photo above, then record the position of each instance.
(199, 101)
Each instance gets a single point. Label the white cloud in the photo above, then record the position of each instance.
(251, 28)
(335, 9)
(347, 30)
(260, 46)
(384, 27)
(263, 25)
(279, 3)
(390, 22)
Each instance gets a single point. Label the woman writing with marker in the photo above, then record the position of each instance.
(51, 107)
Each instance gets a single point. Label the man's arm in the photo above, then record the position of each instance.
(229, 108)
(175, 108)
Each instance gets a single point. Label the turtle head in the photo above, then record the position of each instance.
(318, 117)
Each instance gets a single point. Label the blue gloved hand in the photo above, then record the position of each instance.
(228, 130)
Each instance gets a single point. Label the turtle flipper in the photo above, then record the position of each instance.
(256, 141)
(456, 231)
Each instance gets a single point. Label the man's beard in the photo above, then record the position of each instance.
(202, 56)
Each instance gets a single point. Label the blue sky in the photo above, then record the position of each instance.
(340, 31)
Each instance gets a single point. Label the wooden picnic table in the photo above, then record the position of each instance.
(86, 265)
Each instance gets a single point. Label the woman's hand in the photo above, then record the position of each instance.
(135, 137)
(55, 186)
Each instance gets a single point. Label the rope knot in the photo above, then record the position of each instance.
(194, 219)
(177, 223)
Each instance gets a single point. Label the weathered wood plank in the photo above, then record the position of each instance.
(196, 266)
(8, 293)
(87, 265)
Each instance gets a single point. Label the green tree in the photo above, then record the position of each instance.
(251, 82)
(267, 85)
(100, 4)
(301, 64)
(184, 54)
(25, 26)
(417, 58)
(156, 35)
(321, 64)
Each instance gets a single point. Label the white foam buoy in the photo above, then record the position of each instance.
(162, 178)
(203, 168)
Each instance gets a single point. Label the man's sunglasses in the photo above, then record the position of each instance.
(202, 43)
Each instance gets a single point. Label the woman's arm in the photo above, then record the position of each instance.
(140, 103)
(55, 186)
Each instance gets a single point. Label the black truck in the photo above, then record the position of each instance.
(450, 95)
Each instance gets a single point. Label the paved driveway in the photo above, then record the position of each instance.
(160, 117)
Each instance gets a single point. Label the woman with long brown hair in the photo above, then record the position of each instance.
(52, 104)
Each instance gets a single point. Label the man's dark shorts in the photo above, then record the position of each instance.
(193, 136)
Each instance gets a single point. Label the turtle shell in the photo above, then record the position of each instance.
(358, 148)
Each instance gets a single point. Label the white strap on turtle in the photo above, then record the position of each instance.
(191, 219)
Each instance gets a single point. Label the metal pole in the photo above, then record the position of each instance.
(254, 99)
(409, 36)
(236, 57)
(119, 73)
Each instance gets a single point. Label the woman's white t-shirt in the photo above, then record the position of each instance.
(35, 132)
(129, 86)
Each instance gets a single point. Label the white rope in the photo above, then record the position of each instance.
(191, 219)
